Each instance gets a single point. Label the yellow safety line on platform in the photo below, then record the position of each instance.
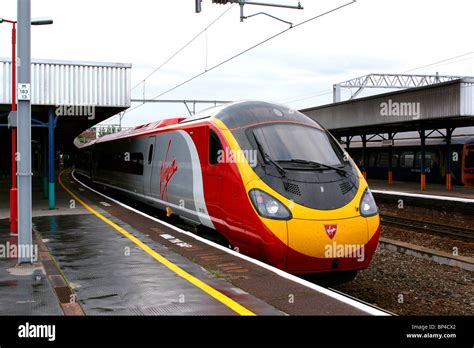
(238, 308)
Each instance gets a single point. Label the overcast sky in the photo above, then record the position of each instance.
(297, 68)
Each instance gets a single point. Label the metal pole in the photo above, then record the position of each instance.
(449, 133)
(390, 155)
(364, 155)
(24, 134)
(348, 142)
(245, 2)
(44, 162)
(422, 160)
(14, 190)
(51, 152)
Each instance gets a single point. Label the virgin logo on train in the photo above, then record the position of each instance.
(331, 230)
(166, 173)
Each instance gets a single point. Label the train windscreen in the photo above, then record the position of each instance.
(286, 142)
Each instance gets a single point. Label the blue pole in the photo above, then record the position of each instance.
(44, 169)
(51, 159)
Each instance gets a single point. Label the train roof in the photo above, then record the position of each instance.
(243, 114)
(233, 115)
(136, 131)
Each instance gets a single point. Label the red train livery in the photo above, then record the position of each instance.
(272, 181)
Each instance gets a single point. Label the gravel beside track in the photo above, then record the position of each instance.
(407, 285)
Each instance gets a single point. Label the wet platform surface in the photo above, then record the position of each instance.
(39, 201)
(113, 276)
(23, 290)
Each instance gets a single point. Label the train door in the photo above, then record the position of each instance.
(213, 173)
(148, 165)
(468, 165)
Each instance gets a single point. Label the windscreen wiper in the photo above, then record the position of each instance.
(318, 164)
(267, 157)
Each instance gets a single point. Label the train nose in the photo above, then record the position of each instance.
(325, 245)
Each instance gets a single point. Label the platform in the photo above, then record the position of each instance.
(117, 261)
(23, 290)
(40, 201)
(110, 275)
(433, 191)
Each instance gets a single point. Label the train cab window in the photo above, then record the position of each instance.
(215, 148)
(406, 159)
(150, 154)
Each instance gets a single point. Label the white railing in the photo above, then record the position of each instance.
(72, 83)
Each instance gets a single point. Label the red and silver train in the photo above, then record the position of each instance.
(269, 179)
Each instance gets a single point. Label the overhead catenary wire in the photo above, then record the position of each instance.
(204, 31)
(247, 50)
(439, 62)
(306, 97)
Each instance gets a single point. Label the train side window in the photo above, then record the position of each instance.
(118, 162)
(394, 160)
(406, 159)
(382, 159)
(215, 148)
(469, 157)
(428, 160)
(150, 154)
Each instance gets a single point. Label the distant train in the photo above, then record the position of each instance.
(406, 160)
(272, 181)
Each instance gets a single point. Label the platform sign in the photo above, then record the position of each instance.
(24, 91)
(388, 142)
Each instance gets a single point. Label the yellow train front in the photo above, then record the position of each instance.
(291, 196)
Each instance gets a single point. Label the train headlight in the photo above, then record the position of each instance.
(367, 205)
(268, 206)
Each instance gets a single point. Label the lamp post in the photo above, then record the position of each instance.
(14, 188)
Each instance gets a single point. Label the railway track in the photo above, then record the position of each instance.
(429, 227)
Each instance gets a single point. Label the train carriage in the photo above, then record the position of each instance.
(272, 181)
(406, 160)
